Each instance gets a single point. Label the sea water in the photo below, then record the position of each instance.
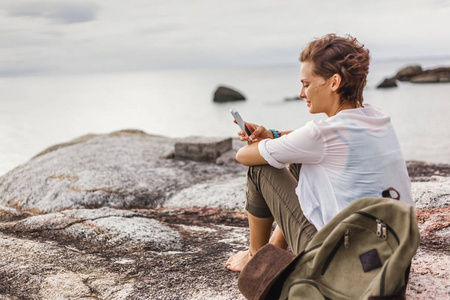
(39, 111)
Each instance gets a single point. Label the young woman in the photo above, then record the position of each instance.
(352, 154)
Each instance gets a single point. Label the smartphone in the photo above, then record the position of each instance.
(241, 122)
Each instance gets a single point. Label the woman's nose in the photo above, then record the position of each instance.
(302, 94)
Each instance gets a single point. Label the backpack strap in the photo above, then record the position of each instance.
(387, 193)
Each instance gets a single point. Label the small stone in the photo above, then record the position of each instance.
(227, 158)
(168, 155)
(206, 149)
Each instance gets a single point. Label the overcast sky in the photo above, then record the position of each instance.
(85, 36)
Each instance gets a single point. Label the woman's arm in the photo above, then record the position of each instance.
(249, 156)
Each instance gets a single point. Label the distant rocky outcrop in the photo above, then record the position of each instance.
(433, 76)
(407, 73)
(225, 94)
(415, 74)
(388, 83)
(115, 216)
(295, 98)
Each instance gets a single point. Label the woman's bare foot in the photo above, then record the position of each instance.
(238, 261)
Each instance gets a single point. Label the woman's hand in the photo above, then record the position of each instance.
(258, 133)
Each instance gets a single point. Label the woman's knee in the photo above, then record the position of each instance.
(255, 171)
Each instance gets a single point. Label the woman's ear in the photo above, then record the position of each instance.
(336, 80)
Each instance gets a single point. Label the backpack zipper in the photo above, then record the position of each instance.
(347, 238)
(382, 228)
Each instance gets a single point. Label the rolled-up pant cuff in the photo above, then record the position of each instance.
(259, 212)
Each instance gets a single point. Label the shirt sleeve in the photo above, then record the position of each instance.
(304, 145)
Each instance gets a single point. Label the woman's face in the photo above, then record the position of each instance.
(319, 92)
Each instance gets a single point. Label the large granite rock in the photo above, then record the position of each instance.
(62, 235)
(121, 170)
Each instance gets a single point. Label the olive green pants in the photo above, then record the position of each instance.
(271, 193)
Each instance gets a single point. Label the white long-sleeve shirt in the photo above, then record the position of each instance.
(351, 155)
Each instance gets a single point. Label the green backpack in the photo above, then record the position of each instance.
(364, 252)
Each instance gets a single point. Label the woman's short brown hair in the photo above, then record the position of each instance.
(345, 56)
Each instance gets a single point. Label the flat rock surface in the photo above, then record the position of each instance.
(105, 217)
(104, 227)
(228, 192)
(34, 265)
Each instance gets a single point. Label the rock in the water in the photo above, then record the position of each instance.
(433, 76)
(442, 72)
(202, 148)
(388, 83)
(224, 94)
(416, 74)
(295, 98)
(444, 77)
(425, 78)
(405, 74)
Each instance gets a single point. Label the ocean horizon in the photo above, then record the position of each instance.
(37, 112)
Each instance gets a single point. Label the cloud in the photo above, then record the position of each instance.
(140, 35)
(66, 13)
